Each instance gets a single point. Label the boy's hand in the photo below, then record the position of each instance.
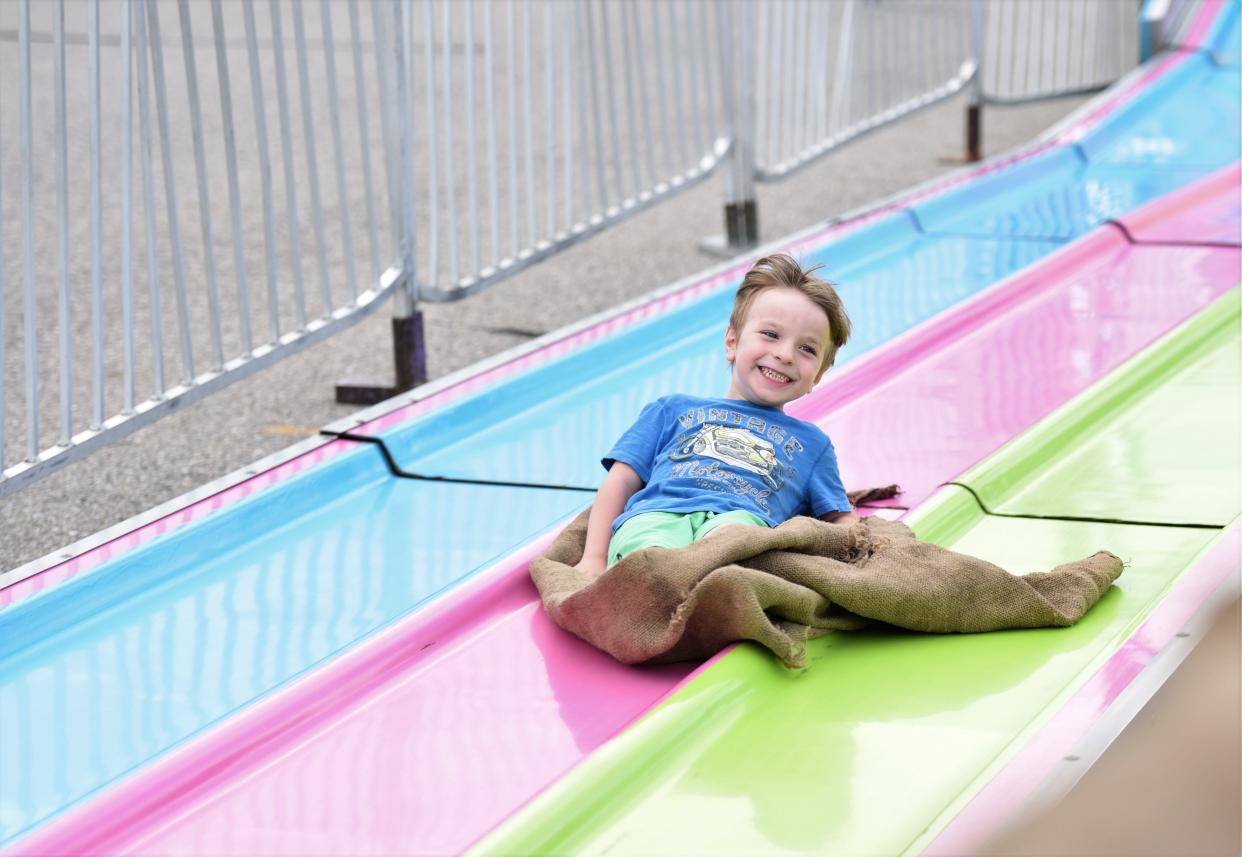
(845, 518)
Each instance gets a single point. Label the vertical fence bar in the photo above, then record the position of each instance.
(578, 104)
(364, 136)
(1094, 38)
(200, 169)
(805, 82)
(127, 216)
(472, 173)
(30, 308)
(286, 150)
(694, 55)
(840, 116)
(631, 109)
(711, 86)
(789, 85)
(683, 141)
(666, 163)
(450, 173)
(549, 128)
(568, 45)
(148, 207)
(387, 84)
(338, 148)
(403, 98)
(312, 162)
(587, 46)
(493, 191)
(528, 79)
(265, 170)
(170, 193)
(230, 155)
(174, 229)
(1007, 44)
(631, 18)
(1032, 19)
(433, 172)
(806, 85)
(821, 80)
(873, 63)
(772, 83)
(97, 350)
(62, 216)
(511, 58)
(1083, 45)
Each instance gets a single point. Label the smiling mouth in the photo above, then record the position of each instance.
(773, 375)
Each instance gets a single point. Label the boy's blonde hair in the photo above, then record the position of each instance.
(781, 271)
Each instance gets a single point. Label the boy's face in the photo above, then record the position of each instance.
(778, 354)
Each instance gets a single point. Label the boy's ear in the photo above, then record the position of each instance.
(730, 343)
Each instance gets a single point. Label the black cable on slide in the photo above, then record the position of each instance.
(1080, 518)
(454, 480)
(1137, 242)
(396, 470)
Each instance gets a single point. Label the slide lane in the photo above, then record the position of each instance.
(477, 714)
(216, 617)
(878, 747)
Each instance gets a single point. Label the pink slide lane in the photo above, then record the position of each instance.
(949, 392)
(423, 738)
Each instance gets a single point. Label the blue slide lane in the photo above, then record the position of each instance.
(526, 431)
(114, 667)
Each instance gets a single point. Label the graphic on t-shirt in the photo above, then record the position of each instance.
(736, 447)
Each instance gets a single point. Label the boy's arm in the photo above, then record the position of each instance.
(619, 485)
(840, 518)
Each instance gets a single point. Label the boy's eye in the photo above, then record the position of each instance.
(809, 349)
(770, 334)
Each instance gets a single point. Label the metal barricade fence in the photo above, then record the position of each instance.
(1037, 49)
(191, 190)
(824, 73)
(547, 121)
(808, 77)
(420, 147)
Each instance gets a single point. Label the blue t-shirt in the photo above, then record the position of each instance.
(721, 455)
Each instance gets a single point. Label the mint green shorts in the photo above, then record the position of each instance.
(672, 530)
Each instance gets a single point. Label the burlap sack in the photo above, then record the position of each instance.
(804, 578)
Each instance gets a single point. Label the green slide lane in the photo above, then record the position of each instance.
(1155, 441)
(888, 734)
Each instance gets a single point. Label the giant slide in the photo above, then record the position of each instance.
(342, 652)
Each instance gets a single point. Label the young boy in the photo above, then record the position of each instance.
(690, 465)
